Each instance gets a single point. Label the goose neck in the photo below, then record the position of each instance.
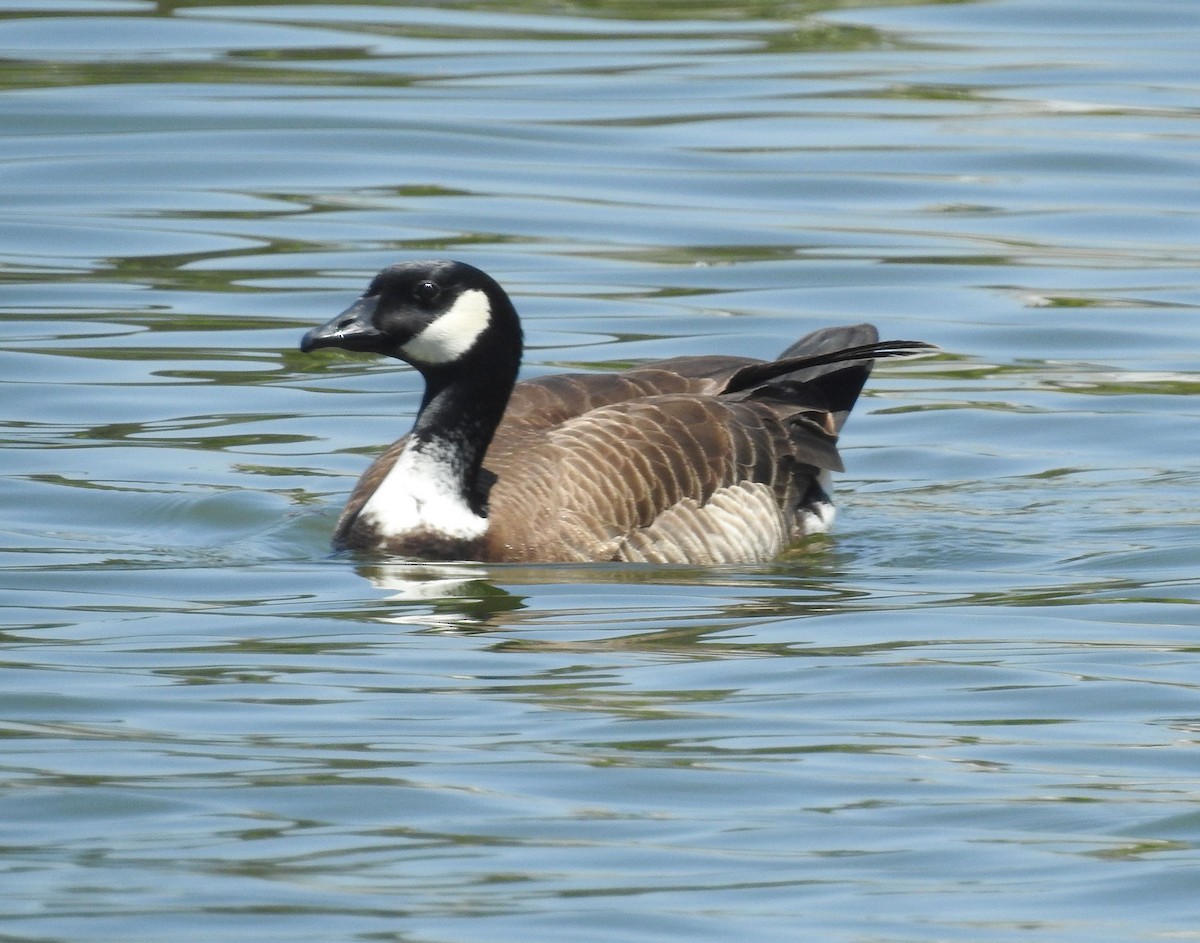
(458, 418)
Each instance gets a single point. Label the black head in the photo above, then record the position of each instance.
(430, 314)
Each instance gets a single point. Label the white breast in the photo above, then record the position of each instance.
(421, 495)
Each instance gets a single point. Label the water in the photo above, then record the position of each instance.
(970, 714)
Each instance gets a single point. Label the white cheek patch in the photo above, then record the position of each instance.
(452, 334)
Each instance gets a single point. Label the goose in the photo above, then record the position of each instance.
(698, 460)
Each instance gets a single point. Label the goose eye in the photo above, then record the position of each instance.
(426, 291)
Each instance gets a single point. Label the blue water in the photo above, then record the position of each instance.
(971, 713)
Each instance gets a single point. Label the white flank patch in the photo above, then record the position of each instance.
(818, 517)
(420, 494)
(452, 334)
(740, 524)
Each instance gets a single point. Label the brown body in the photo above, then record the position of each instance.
(657, 464)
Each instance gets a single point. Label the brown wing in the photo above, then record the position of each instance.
(543, 402)
(586, 489)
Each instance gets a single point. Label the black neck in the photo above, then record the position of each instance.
(463, 404)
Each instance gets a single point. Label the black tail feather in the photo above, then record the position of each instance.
(756, 374)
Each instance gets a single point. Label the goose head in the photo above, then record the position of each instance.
(439, 316)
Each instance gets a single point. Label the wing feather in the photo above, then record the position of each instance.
(620, 480)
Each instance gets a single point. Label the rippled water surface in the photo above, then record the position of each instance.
(973, 713)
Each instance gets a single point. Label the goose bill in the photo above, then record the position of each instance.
(353, 329)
